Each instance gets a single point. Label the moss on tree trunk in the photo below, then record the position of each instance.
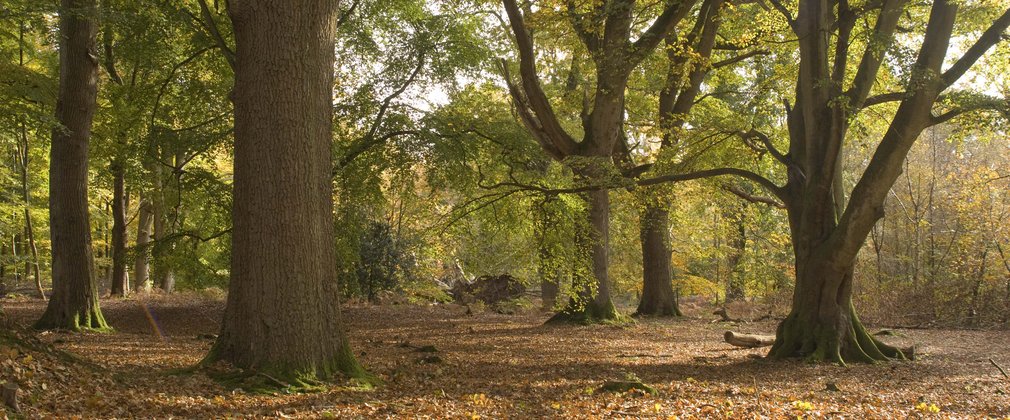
(282, 320)
(823, 325)
(591, 302)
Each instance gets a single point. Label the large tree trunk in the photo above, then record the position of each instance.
(823, 325)
(142, 263)
(282, 316)
(74, 304)
(657, 287)
(119, 279)
(592, 301)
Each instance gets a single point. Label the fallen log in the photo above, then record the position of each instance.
(748, 340)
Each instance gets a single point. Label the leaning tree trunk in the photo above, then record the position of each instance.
(658, 298)
(142, 263)
(119, 279)
(74, 303)
(282, 316)
(592, 300)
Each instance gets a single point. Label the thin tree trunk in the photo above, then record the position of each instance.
(74, 303)
(119, 280)
(282, 316)
(658, 297)
(736, 282)
(163, 275)
(142, 263)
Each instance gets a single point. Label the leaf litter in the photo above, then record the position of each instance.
(488, 365)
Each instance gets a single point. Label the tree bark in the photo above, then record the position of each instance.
(282, 316)
(658, 298)
(74, 303)
(592, 300)
(119, 279)
(142, 263)
(748, 340)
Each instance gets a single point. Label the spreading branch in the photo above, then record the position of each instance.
(990, 37)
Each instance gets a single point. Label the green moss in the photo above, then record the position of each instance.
(590, 313)
(625, 386)
(288, 379)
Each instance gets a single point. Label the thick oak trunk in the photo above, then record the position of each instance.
(658, 298)
(74, 303)
(282, 316)
(119, 278)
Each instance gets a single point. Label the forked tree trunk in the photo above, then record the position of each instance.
(282, 317)
(592, 300)
(74, 303)
(119, 279)
(658, 298)
(142, 263)
(822, 325)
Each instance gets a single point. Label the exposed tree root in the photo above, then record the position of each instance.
(824, 343)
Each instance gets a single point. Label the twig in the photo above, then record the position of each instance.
(999, 367)
(644, 355)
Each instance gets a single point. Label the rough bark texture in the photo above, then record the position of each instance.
(282, 316)
(828, 233)
(74, 304)
(119, 278)
(658, 298)
(142, 263)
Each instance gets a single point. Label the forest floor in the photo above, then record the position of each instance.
(495, 366)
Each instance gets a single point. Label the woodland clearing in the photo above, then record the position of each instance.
(490, 365)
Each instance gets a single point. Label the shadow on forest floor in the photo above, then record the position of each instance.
(513, 366)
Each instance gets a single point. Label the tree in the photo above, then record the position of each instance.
(282, 316)
(604, 28)
(74, 304)
(828, 230)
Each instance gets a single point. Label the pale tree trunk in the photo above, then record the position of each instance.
(164, 278)
(119, 279)
(142, 263)
(74, 303)
(282, 316)
(658, 297)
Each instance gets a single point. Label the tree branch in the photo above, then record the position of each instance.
(675, 11)
(990, 37)
(534, 96)
(753, 198)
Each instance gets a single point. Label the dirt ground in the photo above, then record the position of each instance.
(502, 366)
